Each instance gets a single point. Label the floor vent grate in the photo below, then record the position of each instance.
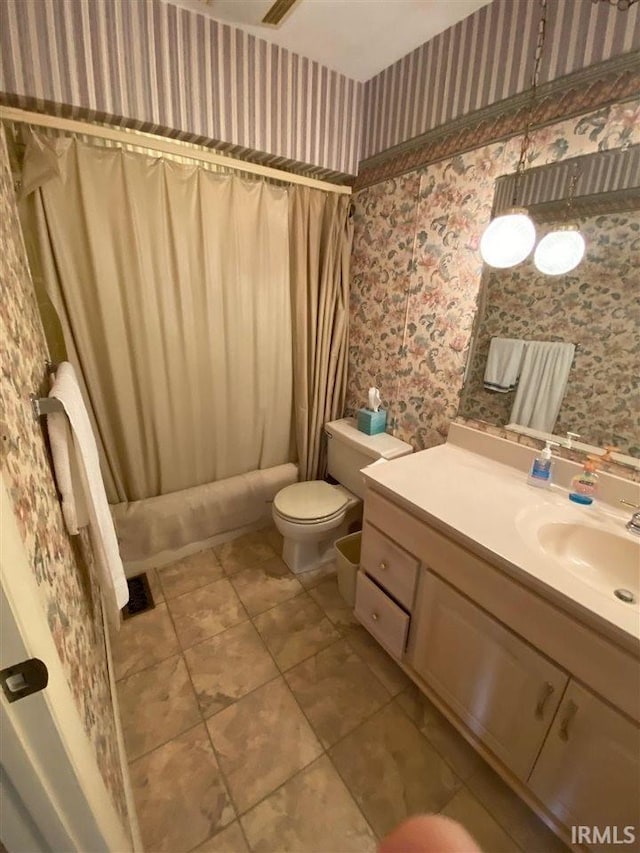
(140, 597)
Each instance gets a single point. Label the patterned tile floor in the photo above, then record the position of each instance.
(259, 716)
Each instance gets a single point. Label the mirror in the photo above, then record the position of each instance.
(596, 306)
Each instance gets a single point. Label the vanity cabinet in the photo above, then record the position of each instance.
(505, 691)
(546, 698)
(588, 772)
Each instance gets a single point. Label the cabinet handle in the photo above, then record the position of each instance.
(569, 714)
(545, 693)
(375, 617)
(383, 565)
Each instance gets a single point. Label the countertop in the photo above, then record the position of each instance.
(490, 508)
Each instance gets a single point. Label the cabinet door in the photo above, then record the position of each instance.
(588, 773)
(504, 690)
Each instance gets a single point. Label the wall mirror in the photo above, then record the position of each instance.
(595, 307)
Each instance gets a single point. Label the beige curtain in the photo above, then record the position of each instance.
(172, 286)
(321, 238)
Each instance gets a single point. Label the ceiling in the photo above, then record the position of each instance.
(356, 37)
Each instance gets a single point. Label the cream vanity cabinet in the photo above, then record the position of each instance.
(551, 703)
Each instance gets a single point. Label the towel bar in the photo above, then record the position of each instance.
(577, 346)
(44, 405)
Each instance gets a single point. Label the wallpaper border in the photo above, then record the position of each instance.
(613, 81)
(249, 155)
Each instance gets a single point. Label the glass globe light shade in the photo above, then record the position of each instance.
(559, 251)
(508, 239)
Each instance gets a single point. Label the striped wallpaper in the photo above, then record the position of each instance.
(160, 68)
(486, 58)
(605, 172)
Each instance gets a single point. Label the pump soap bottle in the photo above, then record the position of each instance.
(585, 484)
(540, 473)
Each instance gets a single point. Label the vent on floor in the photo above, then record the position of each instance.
(140, 597)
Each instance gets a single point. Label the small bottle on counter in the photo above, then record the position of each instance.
(584, 486)
(541, 468)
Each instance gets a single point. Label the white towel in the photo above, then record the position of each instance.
(503, 364)
(113, 582)
(543, 382)
(68, 478)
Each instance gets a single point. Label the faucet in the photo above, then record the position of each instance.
(633, 525)
(571, 437)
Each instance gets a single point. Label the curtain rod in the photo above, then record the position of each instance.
(159, 143)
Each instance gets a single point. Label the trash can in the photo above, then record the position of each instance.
(348, 561)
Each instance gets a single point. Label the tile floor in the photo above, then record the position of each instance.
(259, 716)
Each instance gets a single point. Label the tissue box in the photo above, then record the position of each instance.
(372, 422)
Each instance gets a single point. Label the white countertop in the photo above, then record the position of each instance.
(489, 507)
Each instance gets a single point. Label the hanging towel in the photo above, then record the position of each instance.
(68, 480)
(503, 364)
(543, 382)
(113, 582)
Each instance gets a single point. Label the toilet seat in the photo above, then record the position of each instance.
(311, 502)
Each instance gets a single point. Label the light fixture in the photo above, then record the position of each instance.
(510, 237)
(562, 249)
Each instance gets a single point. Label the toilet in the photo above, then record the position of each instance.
(312, 515)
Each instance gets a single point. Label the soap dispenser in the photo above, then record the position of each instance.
(540, 473)
(584, 485)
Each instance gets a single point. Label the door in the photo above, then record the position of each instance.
(52, 789)
(588, 772)
(504, 690)
(18, 830)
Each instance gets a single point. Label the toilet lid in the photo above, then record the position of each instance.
(310, 501)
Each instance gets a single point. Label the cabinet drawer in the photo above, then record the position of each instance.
(381, 616)
(393, 567)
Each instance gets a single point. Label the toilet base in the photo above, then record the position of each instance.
(307, 547)
(308, 554)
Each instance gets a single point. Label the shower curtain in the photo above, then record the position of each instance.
(321, 231)
(172, 285)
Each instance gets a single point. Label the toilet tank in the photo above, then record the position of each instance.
(349, 451)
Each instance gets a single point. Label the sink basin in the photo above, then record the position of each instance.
(602, 559)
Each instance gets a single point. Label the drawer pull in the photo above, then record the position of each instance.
(383, 566)
(569, 714)
(375, 617)
(545, 693)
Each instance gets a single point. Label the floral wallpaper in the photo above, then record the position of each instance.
(63, 567)
(598, 303)
(416, 270)
(382, 257)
